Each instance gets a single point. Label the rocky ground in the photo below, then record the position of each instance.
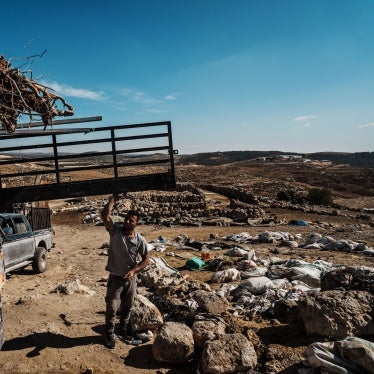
(48, 331)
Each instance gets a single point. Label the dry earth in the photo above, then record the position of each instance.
(47, 332)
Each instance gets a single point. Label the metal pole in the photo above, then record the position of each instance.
(171, 151)
(55, 155)
(114, 153)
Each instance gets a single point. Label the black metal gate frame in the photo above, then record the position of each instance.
(114, 184)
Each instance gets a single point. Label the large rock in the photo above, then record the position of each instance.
(145, 315)
(210, 302)
(174, 344)
(150, 277)
(337, 314)
(207, 330)
(286, 311)
(227, 354)
(170, 286)
(348, 277)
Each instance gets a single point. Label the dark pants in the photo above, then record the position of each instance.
(120, 292)
(1, 323)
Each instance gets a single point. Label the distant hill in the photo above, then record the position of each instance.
(361, 159)
(219, 158)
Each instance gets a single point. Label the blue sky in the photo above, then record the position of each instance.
(288, 75)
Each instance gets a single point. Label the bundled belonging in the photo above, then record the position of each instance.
(22, 95)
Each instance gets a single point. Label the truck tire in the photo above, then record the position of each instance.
(39, 264)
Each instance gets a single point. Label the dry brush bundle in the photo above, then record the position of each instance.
(22, 95)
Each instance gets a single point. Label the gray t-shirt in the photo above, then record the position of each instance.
(123, 252)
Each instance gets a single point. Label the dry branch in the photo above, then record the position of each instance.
(22, 95)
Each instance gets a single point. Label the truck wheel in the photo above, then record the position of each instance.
(39, 264)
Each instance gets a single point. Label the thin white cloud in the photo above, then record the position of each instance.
(307, 125)
(304, 118)
(81, 93)
(139, 97)
(369, 124)
(171, 96)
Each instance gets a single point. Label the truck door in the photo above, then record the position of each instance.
(24, 236)
(11, 255)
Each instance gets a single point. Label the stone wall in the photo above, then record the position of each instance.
(190, 201)
(230, 192)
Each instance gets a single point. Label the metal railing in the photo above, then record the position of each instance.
(45, 170)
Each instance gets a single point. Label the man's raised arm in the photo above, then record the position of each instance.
(105, 214)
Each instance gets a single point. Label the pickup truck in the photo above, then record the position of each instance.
(21, 246)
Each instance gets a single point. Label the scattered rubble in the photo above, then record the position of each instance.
(245, 286)
(195, 315)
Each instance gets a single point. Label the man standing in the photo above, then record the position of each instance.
(126, 245)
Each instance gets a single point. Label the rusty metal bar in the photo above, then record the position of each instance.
(61, 122)
(37, 133)
(22, 134)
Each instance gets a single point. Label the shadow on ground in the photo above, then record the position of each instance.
(141, 357)
(287, 335)
(40, 341)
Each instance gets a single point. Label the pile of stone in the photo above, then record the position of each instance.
(234, 193)
(190, 316)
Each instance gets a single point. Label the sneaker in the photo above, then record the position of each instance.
(110, 341)
(124, 333)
